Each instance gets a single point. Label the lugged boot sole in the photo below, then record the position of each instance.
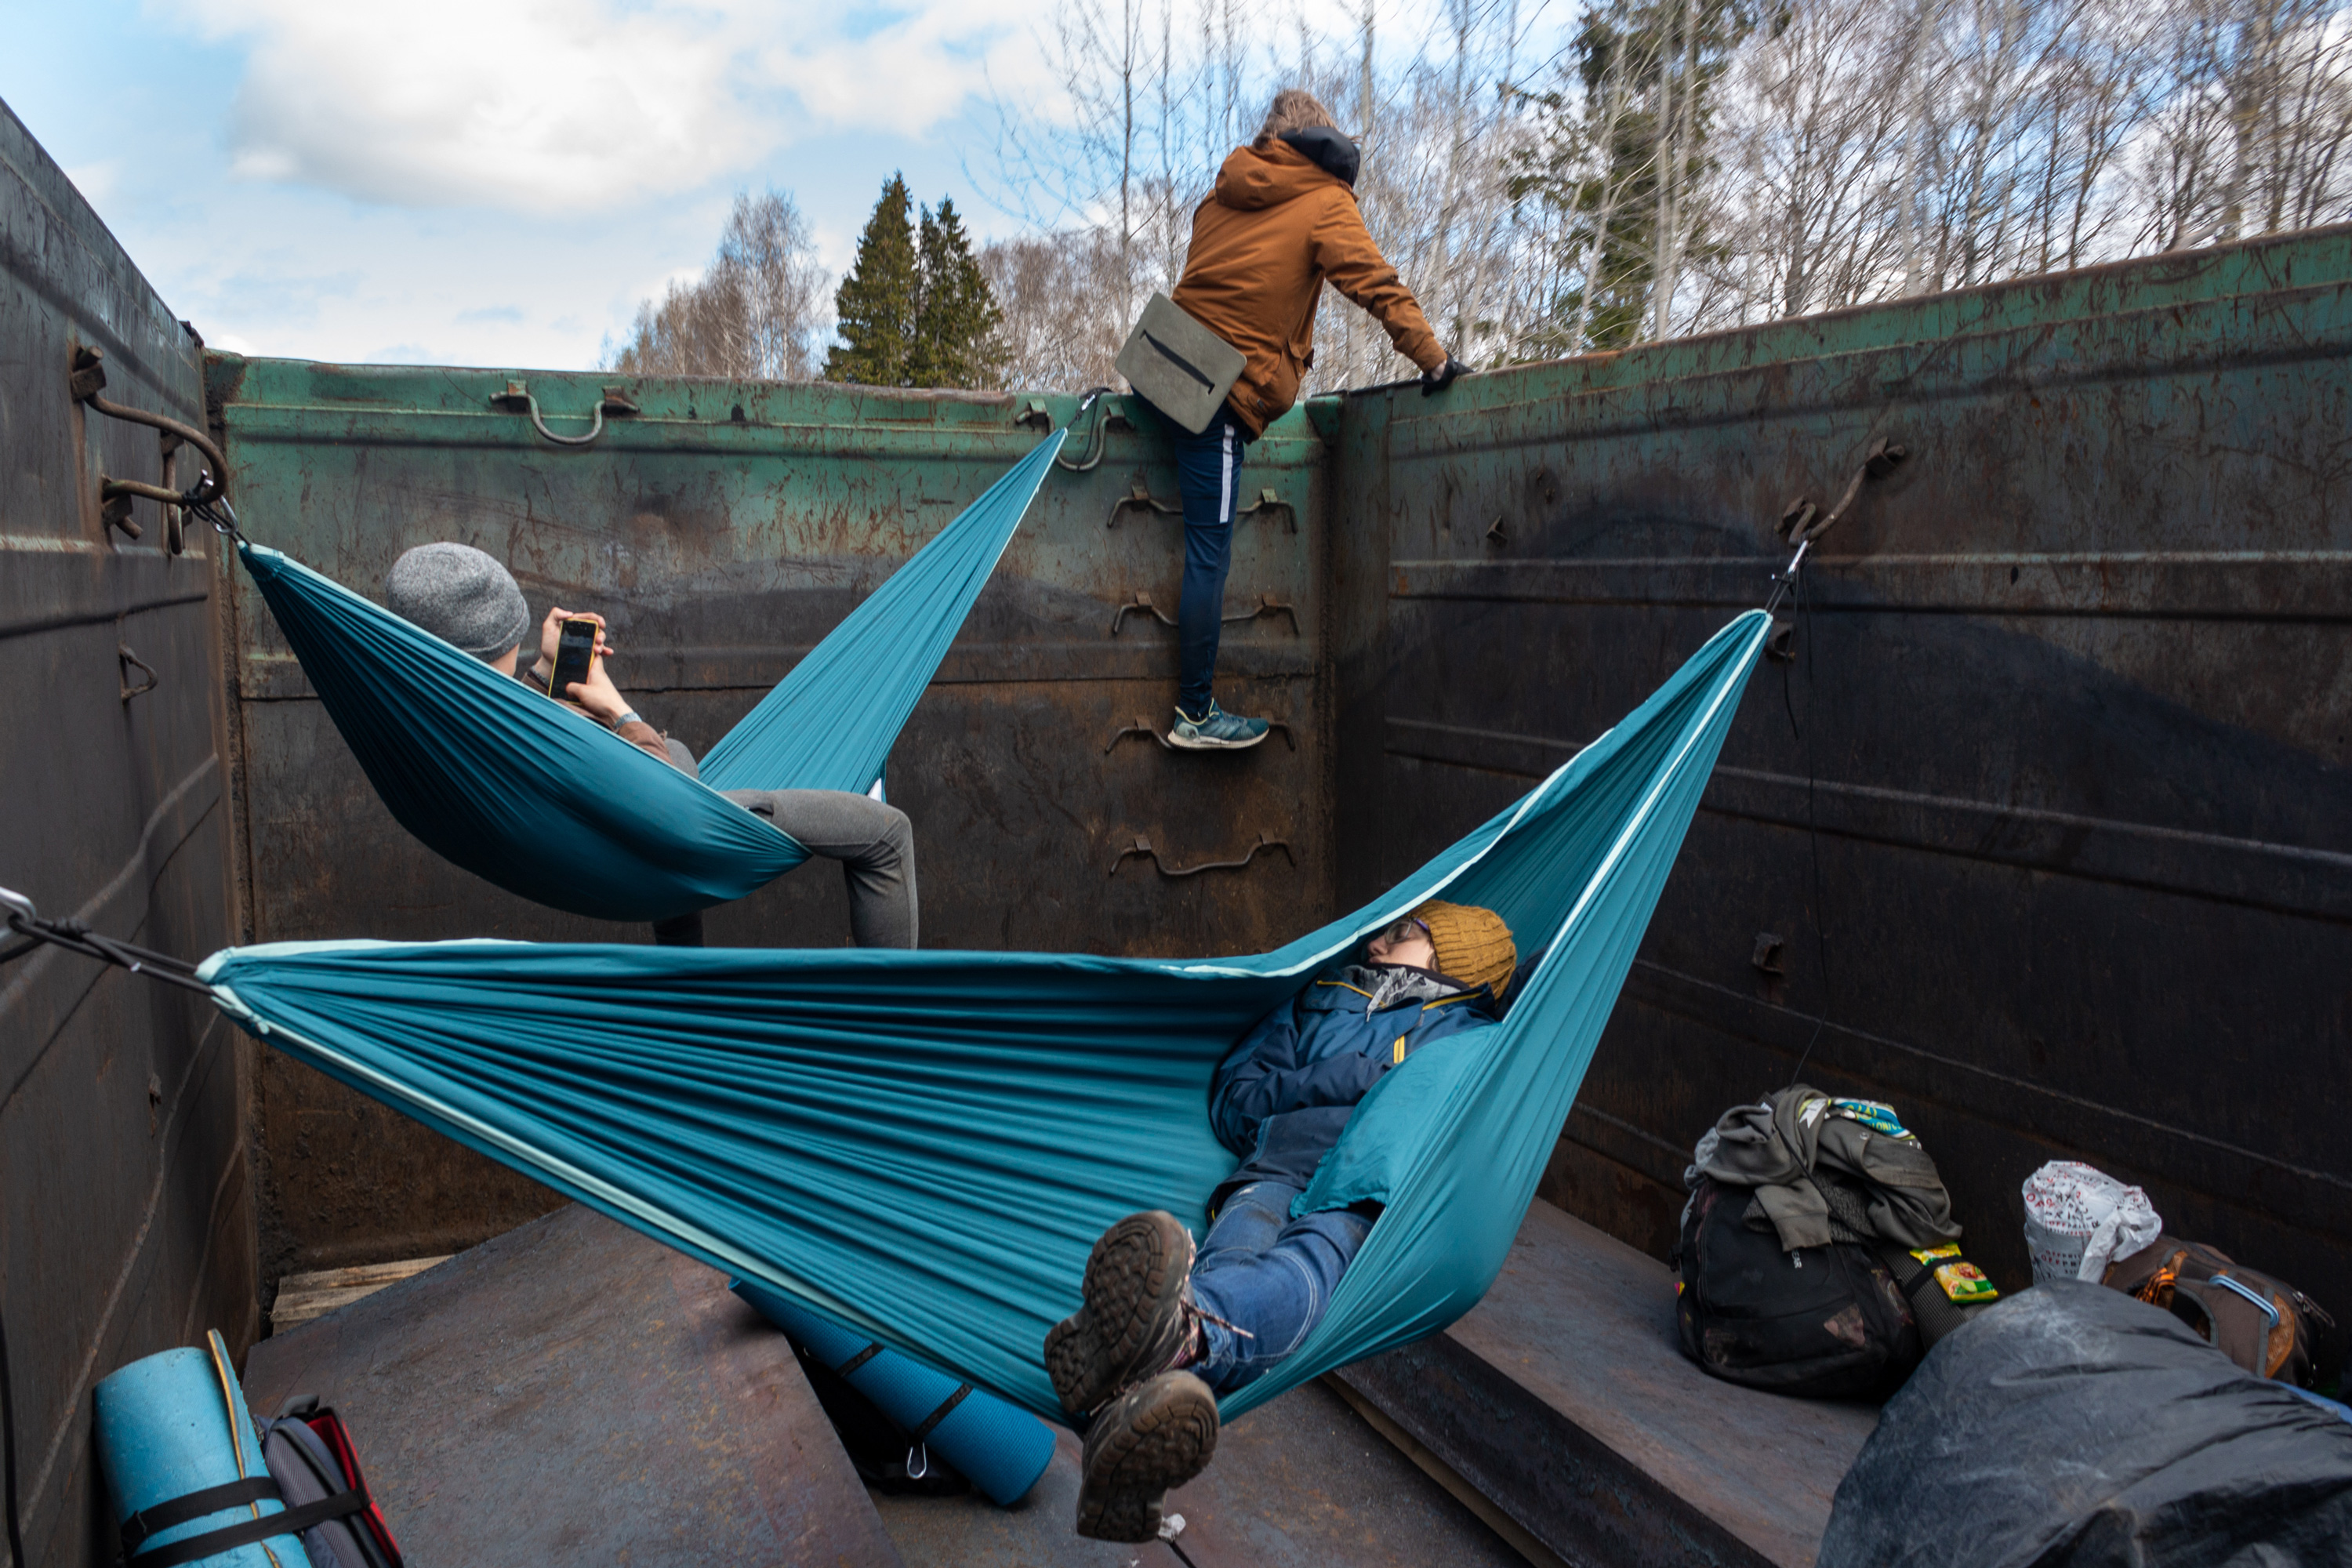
(1138, 1455)
(1135, 1276)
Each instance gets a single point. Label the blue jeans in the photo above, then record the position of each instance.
(1209, 478)
(1261, 1271)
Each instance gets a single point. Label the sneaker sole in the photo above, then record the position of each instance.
(1124, 1491)
(1201, 743)
(1135, 1271)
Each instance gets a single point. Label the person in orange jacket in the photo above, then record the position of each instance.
(1282, 222)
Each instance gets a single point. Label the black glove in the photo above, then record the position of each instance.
(1440, 378)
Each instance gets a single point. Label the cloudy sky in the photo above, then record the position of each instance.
(489, 181)
(500, 181)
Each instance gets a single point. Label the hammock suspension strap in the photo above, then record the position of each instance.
(75, 936)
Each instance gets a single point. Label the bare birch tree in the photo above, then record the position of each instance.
(1656, 167)
(760, 310)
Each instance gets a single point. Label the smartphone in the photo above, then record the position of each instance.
(575, 650)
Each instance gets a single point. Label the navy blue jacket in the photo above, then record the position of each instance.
(1283, 1095)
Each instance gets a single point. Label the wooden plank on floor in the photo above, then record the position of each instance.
(302, 1296)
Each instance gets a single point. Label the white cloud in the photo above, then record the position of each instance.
(96, 181)
(561, 108)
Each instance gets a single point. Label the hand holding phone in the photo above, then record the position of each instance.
(575, 655)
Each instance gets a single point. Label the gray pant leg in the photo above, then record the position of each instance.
(680, 930)
(874, 843)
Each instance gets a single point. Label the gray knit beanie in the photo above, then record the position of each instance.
(460, 596)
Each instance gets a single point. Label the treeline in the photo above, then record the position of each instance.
(1661, 167)
(914, 310)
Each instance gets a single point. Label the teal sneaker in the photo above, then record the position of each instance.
(1217, 731)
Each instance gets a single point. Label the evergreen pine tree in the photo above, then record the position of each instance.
(956, 323)
(876, 308)
(1607, 153)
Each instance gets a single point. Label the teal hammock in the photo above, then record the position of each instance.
(924, 1146)
(528, 795)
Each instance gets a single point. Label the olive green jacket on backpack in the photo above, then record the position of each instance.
(1776, 1145)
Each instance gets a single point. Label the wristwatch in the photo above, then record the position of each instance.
(631, 717)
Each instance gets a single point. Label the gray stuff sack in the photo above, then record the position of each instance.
(1184, 369)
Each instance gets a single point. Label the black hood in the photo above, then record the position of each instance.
(1332, 152)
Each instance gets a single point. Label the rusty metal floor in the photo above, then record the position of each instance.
(572, 1391)
(1300, 1482)
(1564, 1398)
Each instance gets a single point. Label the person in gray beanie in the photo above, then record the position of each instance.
(469, 600)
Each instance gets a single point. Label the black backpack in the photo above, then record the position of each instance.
(1826, 1322)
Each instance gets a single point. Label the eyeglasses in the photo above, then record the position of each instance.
(1403, 930)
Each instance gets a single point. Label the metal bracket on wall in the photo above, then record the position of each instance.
(1142, 726)
(127, 661)
(1141, 604)
(84, 380)
(1141, 500)
(1143, 847)
(1801, 522)
(517, 399)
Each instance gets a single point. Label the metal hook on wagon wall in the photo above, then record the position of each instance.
(84, 380)
(518, 399)
(1099, 443)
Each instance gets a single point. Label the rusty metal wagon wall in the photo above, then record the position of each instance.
(2041, 830)
(723, 528)
(2044, 818)
(2059, 768)
(129, 1220)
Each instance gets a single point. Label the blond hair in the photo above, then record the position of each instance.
(1294, 109)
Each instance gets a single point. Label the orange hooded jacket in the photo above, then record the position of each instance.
(1277, 226)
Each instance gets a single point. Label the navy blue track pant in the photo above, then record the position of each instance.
(1209, 478)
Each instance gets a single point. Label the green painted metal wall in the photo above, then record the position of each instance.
(723, 528)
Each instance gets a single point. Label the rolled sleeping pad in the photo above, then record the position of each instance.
(1000, 1446)
(175, 1424)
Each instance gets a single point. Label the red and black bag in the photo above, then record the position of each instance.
(311, 1457)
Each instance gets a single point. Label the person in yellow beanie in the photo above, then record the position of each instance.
(1165, 1330)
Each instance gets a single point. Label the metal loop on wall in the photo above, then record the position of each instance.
(1140, 499)
(1100, 441)
(129, 661)
(1801, 522)
(1143, 847)
(1141, 604)
(84, 381)
(1142, 726)
(518, 398)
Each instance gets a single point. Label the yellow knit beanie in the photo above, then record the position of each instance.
(1473, 946)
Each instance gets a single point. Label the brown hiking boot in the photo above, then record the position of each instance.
(1138, 1317)
(1158, 1435)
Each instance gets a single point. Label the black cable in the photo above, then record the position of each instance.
(10, 954)
(16, 1557)
(75, 936)
(1804, 605)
